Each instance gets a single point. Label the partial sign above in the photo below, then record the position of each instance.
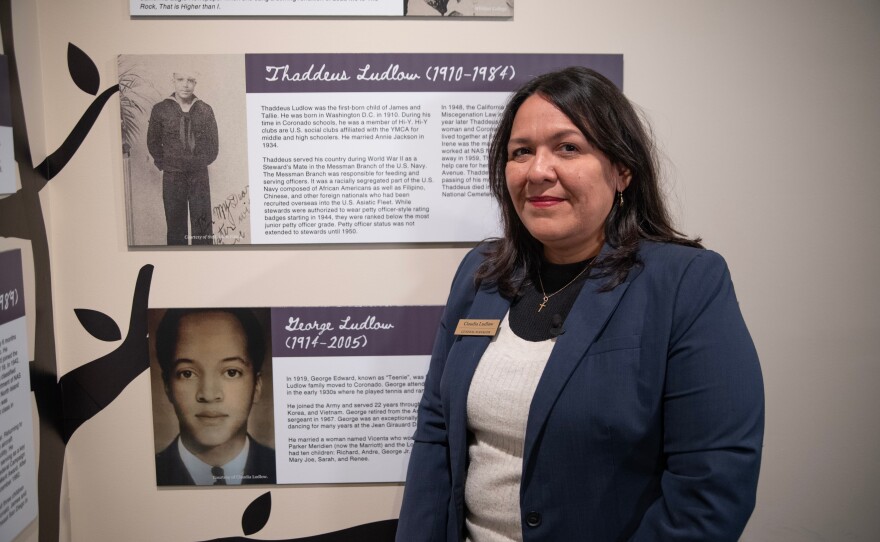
(322, 8)
(7, 155)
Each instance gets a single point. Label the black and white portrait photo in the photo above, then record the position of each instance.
(184, 149)
(211, 378)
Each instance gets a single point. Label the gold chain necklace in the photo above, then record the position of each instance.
(548, 296)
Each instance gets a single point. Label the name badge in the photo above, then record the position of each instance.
(483, 328)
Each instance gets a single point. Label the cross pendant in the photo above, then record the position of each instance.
(541, 306)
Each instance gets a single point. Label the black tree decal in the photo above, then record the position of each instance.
(65, 404)
(80, 394)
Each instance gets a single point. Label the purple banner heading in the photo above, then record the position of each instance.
(354, 331)
(12, 286)
(412, 72)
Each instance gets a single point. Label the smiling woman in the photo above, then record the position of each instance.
(561, 186)
(621, 397)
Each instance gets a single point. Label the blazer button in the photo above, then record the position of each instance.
(533, 519)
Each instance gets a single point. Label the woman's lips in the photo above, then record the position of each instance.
(544, 201)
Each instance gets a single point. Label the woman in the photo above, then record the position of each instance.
(621, 398)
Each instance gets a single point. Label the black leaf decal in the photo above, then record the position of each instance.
(98, 324)
(256, 514)
(82, 70)
(89, 388)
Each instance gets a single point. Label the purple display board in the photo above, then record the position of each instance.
(11, 287)
(345, 381)
(18, 478)
(412, 72)
(353, 331)
(338, 148)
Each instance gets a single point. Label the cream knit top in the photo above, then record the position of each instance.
(497, 411)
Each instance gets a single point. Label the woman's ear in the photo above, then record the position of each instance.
(624, 176)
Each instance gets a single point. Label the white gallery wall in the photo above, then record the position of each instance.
(768, 117)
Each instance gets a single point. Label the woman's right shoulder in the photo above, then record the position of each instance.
(464, 284)
(476, 255)
(471, 262)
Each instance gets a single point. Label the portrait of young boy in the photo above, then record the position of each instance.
(212, 373)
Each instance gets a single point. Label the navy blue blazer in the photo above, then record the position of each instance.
(646, 424)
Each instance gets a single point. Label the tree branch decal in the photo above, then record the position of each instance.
(85, 392)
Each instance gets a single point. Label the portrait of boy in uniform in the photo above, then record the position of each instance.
(182, 139)
(211, 363)
(184, 149)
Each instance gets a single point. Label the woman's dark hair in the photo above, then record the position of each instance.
(611, 124)
(168, 332)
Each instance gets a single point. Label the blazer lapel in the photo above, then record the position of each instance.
(460, 367)
(587, 318)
